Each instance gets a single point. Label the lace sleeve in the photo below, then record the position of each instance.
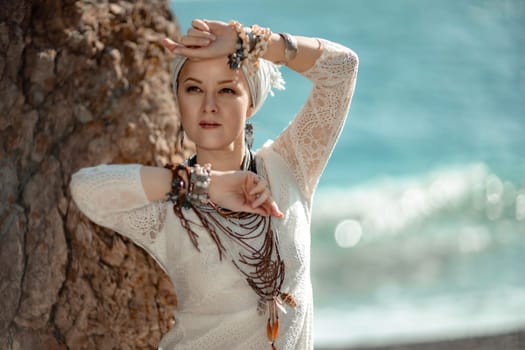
(307, 143)
(112, 196)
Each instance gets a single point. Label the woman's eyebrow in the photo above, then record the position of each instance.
(193, 79)
(227, 81)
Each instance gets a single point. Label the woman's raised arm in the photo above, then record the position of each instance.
(209, 39)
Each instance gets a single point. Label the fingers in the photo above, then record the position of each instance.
(195, 41)
(214, 25)
(267, 208)
(275, 211)
(200, 24)
(271, 208)
(191, 48)
(198, 35)
(205, 39)
(263, 198)
(260, 185)
(197, 38)
(256, 184)
(192, 32)
(184, 48)
(169, 44)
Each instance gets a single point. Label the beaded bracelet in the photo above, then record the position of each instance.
(251, 45)
(261, 37)
(177, 194)
(199, 183)
(235, 59)
(241, 48)
(191, 187)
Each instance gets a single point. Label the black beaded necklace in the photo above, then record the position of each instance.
(248, 161)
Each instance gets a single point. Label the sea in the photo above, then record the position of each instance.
(418, 228)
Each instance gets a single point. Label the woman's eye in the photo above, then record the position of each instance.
(193, 89)
(227, 91)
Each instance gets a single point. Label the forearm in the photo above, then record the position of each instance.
(112, 196)
(308, 51)
(104, 190)
(208, 39)
(157, 182)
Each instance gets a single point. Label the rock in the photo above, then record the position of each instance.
(45, 248)
(82, 83)
(12, 252)
(40, 73)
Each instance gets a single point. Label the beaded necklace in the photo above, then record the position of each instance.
(258, 261)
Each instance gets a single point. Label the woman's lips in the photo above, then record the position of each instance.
(209, 125)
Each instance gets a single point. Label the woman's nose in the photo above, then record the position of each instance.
(210, 103)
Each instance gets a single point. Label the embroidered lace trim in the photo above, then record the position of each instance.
(108, 195)
(308, 141)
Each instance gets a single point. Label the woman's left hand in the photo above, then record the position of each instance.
(242, 191)
(205, 39)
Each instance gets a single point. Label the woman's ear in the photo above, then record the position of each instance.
(249, 112)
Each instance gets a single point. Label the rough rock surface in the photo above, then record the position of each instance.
(82, 82)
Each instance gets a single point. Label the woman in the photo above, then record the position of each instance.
(234, 239)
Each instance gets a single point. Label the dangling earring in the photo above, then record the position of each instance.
(181, 137)
(248, 135)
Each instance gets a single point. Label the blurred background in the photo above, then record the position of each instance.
(419, 219)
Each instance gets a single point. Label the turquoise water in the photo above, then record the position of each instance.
(429, 240)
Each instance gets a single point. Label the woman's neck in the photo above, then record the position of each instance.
(222, 160)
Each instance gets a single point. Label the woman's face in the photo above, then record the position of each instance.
(214, 103)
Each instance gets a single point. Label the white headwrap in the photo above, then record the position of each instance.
(268, 76)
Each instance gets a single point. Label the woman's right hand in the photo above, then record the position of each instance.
(242, 191)
(205, 39)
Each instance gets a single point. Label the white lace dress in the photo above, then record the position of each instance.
(216, 307)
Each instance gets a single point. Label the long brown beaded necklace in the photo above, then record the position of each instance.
(262, 265)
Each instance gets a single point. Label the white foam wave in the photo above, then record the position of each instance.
(392, 205)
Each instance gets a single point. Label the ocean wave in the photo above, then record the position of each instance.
(472, 194)
(450, 232)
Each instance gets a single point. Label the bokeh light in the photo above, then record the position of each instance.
(348, 233)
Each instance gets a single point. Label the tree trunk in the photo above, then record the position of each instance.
(81, 83)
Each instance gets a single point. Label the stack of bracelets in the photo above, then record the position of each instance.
(252, 43)
(189, 184)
